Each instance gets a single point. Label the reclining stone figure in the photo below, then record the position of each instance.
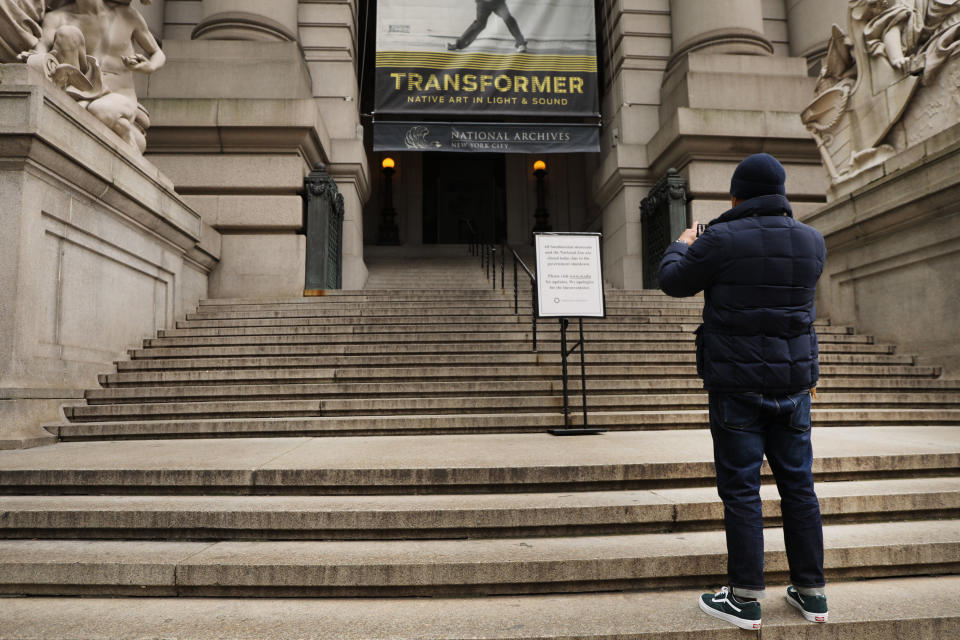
(87, 48)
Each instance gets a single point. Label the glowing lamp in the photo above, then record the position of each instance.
(539, 165)
(388, 163)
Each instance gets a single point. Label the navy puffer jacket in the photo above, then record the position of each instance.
(758, 269)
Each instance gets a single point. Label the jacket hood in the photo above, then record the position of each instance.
(768, 205)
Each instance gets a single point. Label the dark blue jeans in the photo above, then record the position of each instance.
(745, 426)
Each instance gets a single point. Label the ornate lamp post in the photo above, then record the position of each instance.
(541, 214)
(388, 232)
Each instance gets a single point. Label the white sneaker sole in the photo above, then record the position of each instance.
(750, 625)
(812, 617)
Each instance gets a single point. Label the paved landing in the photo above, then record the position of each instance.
(921, 608)
(500, 451)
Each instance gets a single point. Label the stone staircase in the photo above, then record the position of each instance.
(352, 466)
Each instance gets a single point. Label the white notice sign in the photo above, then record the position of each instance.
(569, 275)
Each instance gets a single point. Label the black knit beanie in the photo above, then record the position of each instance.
(759, 175)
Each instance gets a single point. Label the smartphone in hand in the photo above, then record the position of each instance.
(700, 228)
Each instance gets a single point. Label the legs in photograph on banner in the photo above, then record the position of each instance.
(484, 9)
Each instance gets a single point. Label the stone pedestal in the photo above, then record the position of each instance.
(97, 252)
(893, 267)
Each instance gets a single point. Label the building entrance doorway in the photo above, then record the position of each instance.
(461, 192)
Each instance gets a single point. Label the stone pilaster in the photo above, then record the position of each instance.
(725, 96)
(809, 22)
(718, 26)
(275, 20)
(329, 44)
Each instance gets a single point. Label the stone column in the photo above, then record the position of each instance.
(275, 20)
(153, 13)
(808, 23)
(717, 26)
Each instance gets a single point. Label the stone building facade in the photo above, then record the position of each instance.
(103, 246)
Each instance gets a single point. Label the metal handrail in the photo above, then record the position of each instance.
(474, 243)
(488, 263)
(516, 292)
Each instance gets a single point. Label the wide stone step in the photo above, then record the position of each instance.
(455, 320)
(323, 305)
(423, 405)
(501, 343)
(921, 389)
(923, 608)
(390, 335)
(450, 567)
(464, 324)
(474, 352)
(424, 310)
(301, 356)
(390, 374)
(514, 463)
(447, 516)
(433, 294)
(449, 323)
(294, 418)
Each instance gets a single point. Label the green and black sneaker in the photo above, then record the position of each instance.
(813, 608)
(725, 606)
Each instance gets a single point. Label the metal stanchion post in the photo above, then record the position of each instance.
(563, 367)
(583, 375)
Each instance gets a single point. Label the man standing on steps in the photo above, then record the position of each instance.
(484, 9)
(758, 356)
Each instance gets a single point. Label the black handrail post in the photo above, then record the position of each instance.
(533, 291)
(519, 264)
(503, 257)
(493, 257)
(516, 292)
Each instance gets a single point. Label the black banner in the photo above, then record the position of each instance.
(486, 137)
(487, 57)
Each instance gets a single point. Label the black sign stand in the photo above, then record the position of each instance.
(567, 430)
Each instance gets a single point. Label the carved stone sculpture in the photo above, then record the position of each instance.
(19, 26)
(87, 48)
(891, 50)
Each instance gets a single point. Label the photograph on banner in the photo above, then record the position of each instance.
(486, 137)
(569, 275)
(529, 57)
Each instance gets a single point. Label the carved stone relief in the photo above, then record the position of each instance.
(891, 50)
(19, 26)
(87, 48)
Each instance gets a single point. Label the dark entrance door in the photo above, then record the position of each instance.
(459, 188)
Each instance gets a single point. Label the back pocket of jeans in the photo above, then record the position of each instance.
(740, 410)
